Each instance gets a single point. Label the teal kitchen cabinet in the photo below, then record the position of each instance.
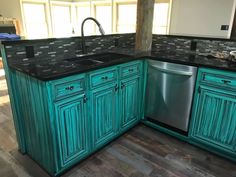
(214, 112)
(130, 102)
(104, 114)
(131, 94)
(72, 130)
(103, 105)
(116, 94)
(67, 119)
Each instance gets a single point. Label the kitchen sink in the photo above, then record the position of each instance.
(95, 59)
(85, 62)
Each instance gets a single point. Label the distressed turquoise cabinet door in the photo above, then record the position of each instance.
(130, 99)
(72, 130)
(214, 119)
(104, 110)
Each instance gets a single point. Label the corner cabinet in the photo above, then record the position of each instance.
(214, 112)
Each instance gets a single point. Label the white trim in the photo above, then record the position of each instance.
(47, 14)
(169, 17)
(232, 20)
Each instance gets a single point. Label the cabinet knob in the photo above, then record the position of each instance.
(104, 78)
(116, 88)
(226, 81)
(131, 70)
(70, 88)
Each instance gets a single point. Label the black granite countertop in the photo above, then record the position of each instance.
(52, 70)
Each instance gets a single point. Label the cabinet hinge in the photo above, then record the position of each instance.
(116, 88)
(85, 99)
(122, 85)
(199, 89)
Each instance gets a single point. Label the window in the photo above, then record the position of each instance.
(103, 13)
(160, 18)
(126, 15)
(35, 20)
(82, 12)
(115, 16)
(62, 23)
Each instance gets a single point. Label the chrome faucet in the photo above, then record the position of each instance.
(84, 50)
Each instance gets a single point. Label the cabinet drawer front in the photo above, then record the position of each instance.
(104, 76)
(65, 89)
(131, 69)
(225, 79)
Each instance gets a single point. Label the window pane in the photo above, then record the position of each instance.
(126, 23)
(104, 16)
(160, 18)
(35, 20)
(82, 13)
(61, 21)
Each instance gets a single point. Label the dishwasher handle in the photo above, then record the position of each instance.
(171, 71)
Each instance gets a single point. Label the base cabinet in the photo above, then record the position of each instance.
(214, 118)
(130, 101)
(104, 114)
(69, 118)
(72, 130)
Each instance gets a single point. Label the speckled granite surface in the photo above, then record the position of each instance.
(61, 68)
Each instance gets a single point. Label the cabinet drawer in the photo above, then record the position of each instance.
(65, 88)
(131, 69)
(220, 78)
(103, 76)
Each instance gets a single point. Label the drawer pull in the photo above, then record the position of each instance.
(104, 78)
(131, 70)
(226, 81)
(70, 88)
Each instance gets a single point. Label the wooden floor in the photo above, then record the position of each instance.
(142, 152)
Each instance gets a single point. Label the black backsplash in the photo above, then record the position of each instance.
(59, 49)
(50, 50)
(182, 43)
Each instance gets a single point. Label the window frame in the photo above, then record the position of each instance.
(116, 4)
(62, 4)
(47, 15)
(169, 13)
(92, 6)
(76, 15)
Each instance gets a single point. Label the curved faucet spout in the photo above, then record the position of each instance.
(101, 30)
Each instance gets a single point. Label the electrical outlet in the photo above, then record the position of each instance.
(224, 27)
(193, 45)
(116, 42)
(29, 50)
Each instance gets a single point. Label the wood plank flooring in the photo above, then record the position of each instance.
(141, 152)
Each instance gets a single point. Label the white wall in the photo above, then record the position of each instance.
(201, 17)
(11, 9)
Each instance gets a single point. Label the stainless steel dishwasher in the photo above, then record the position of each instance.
(169, 94)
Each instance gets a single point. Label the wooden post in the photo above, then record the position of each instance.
(144, 25)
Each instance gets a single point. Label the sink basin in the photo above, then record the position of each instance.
(94, 59)
(86, 62)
